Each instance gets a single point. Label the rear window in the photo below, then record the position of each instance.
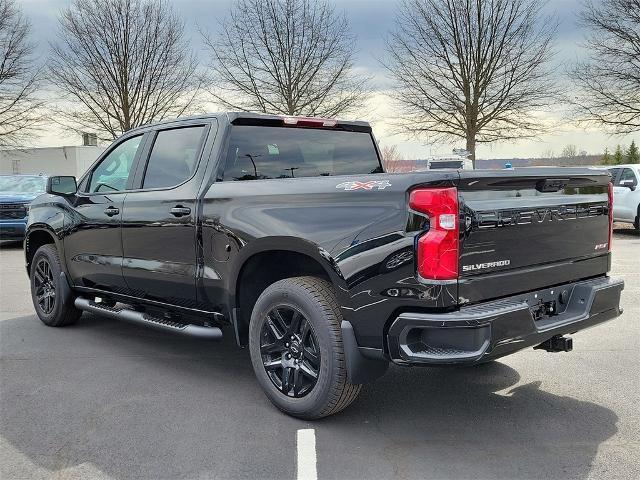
(259, 152)
(174, 157)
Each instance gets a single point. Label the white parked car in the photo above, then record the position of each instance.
(626, 194)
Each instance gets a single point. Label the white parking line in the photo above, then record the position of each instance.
(306, 445)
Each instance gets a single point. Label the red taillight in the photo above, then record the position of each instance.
(610, 213)
(437, 249)
(309, 122)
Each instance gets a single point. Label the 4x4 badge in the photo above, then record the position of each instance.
(378, 184)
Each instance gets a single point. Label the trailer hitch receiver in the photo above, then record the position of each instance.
(556, 344)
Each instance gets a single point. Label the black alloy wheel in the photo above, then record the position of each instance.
(296, 348)
(45, 288)
(52, 301)
(290, 352)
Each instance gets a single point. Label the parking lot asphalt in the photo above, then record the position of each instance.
(108, 400)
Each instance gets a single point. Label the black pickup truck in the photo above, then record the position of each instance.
(288, 232)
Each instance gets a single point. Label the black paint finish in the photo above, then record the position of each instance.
(185, 247)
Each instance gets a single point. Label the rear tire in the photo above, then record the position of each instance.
(636, 223)
(47, 289)
(279, 353)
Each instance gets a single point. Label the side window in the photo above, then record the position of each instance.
(627, 174)
(174, 157)
(112, 173)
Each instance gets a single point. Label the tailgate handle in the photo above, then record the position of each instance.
(551, 184)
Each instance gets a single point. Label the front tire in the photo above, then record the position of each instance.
(47, 289)
(636, 224)
(296, 348)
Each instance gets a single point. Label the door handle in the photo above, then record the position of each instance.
(111, 211)
(180, 211)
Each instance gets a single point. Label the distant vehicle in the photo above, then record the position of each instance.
(450, 163)
(626, 194)
(16, 193)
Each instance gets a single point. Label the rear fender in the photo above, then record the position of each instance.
(290, 244)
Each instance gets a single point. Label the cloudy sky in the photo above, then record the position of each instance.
(370, 21)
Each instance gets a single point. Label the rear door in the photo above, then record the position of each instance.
(531, 228)
(159, 218)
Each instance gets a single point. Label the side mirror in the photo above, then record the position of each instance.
(62, 185)
(629, 184)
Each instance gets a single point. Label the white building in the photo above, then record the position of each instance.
(74, 160)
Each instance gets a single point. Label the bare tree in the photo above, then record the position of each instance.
(472, 69)
(292, 57)
(569, 151)
(609, 83)
(122, 63)
(19, 78)
(390, 157)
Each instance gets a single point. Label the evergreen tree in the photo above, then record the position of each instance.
(618, 156)
(606, 158)
(633, 156)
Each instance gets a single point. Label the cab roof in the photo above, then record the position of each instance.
(253, 118)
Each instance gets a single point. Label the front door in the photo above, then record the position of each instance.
(159, 219)
(93, 244)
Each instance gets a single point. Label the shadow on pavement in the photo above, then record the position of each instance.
(131, 402)
(626, 232)
(10, 245)
(471, 423)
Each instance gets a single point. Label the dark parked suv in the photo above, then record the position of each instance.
(287, 233)
(16, 194)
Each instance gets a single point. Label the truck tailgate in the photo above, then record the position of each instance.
(531, 228)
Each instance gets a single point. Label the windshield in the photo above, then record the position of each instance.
(22, 184)
(259, 152)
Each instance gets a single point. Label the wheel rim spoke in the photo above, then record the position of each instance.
(45, 291)
(279, 321)
(311, 356)
(308, 371)
(296, 320)
(271, 348)
(289, 351)
(273, 364)
(297, 382)
(304, 330)
(286, 374)
(40, 278)
(274, 329)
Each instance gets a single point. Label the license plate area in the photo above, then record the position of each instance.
(544, 310)
(548, 303)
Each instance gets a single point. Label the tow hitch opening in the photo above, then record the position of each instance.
(556, 344)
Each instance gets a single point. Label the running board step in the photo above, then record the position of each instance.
(212, 333)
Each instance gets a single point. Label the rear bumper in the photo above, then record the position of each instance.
(491, 330)
(12, 230)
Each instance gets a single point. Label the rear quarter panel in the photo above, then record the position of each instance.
(358, 235)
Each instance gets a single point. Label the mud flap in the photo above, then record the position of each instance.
(364, 365)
